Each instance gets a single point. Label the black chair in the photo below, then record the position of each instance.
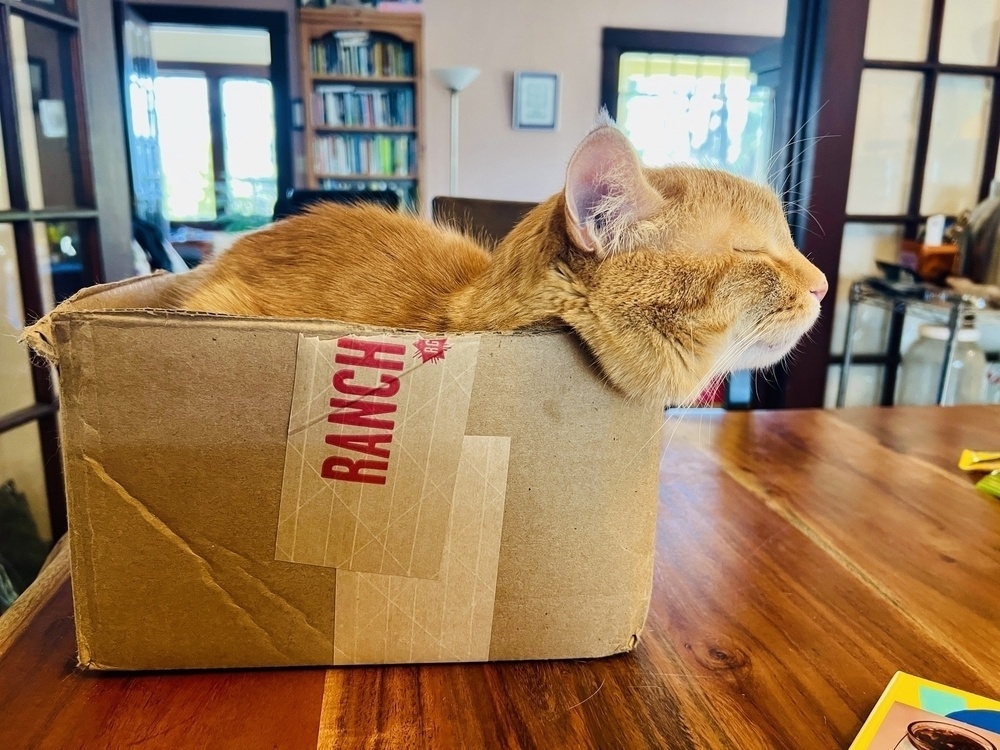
(295, 201)
(487, 220)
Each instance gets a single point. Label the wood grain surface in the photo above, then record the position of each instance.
(802, 558)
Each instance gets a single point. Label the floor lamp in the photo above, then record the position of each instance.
(455, 79)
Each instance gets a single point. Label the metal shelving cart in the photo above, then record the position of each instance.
(936, 305)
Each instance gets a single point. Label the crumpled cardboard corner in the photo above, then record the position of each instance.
(39, 338)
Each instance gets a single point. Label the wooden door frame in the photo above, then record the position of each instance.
(821, 81)
(89, 149)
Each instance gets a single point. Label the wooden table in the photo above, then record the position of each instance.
(803, 557)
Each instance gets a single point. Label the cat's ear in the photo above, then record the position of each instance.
(608, 200)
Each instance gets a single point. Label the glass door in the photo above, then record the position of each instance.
(925, 142)
(48, 237)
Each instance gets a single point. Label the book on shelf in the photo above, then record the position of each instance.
(917, 713)
(344, 105)
(365, 155)
(361, 54)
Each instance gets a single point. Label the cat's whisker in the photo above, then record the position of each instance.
(790, 207)
(791, 140)
(812, 217)
(792, 189)
(726, 359)
(809, 145)
(810, 138)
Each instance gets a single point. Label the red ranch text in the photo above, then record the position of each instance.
(363, 456)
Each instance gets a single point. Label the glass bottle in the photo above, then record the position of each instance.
(922, 364)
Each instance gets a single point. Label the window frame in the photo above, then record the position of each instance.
(826, 194)
(277, 23)
(615, 42)
(215, 74)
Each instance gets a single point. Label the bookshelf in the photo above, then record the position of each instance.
(362, 78)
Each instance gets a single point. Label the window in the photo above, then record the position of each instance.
(217, 143)
(251, 172)
(925, 140)
(689, 109)
(185, 136)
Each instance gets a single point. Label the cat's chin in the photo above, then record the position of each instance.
(765, 354)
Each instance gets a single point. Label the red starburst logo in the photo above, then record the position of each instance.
(431, 350)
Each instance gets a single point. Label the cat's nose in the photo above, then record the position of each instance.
(819, 290)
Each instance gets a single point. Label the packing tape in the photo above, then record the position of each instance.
(375, 437)
(381, 482)
(391, 619)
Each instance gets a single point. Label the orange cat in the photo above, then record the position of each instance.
(670, 276)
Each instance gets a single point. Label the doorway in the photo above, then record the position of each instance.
(208, 121)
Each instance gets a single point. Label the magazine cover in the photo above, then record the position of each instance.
(917, 714)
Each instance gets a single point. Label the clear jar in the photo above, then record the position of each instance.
(922, 368)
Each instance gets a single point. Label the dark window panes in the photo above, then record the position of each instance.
(62, 260)
(22, 467)
(55, 6)
(44, 94)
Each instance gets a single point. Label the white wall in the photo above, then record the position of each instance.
(288, 6)
(561, 36)
(207, 44)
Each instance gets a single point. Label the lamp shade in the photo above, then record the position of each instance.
(456, 79)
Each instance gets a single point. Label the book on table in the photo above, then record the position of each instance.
(917, 714)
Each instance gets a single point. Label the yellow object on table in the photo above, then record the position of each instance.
(979, 461)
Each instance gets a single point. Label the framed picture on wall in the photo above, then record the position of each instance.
(536, 101)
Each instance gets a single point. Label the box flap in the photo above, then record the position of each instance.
(160, 291)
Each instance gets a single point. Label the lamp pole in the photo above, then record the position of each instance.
(453, 185)
(455, 80)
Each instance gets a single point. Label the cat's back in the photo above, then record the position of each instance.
(354, 263)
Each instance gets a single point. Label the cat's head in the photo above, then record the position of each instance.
(678, 275)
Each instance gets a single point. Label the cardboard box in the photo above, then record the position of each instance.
(250, 492)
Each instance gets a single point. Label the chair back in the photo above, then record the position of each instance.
(296, 201)
(487, 220)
